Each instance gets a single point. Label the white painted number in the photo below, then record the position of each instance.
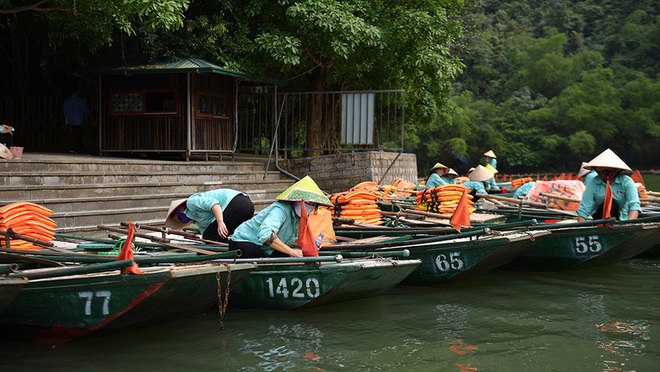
(310, 289)
(587, 244)
(453, 261)
(89, 295)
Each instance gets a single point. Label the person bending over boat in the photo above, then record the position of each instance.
(491, 165)
(523, 190)
(611, 193)
(274, 230)
(217, 213)
(478, 177)
(437, 176)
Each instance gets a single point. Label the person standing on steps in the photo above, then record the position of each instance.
(75, 109)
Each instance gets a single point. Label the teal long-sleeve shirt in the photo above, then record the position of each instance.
(279, 218)
(624, 193)
(524, 189)
(435, 180)
(477, 186)
(198, 206)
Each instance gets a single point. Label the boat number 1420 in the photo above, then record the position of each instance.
(294, 287)
(587, 244)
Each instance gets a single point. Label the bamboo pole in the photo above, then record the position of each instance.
(560, 197)
(71, 270)
(185, 234)
(164, 242)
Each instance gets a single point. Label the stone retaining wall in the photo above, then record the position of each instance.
(335, 173)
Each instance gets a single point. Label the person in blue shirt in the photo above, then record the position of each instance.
(491, 165)
(523, 190)
(217, 213)
(478, 177)
(437, 176)
(274, 231)
(625, 197)
(75, 109)
(450, 177)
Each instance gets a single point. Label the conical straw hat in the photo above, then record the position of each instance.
(439, 166)
(480, 173)
(607, 159)
(583, 171)
(452, 171)
(5, 152)
(307, 190)
(171, 220)
(491, 168)
(490, 154)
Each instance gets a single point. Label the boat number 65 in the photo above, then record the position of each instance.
(452, 261)
(100, 295)
(309, 289)
(587, 244)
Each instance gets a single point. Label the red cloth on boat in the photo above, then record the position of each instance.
(461, 216)
(305, 236)
(607, 203)
(127, 252)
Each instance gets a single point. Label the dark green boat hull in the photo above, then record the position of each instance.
(448, 261)
(577, 247)
(61, 309)
(9, 289)
(298, 286)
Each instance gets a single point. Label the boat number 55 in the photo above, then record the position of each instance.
(100, 296)
(451, 261)
(587, 244)
(310, 288)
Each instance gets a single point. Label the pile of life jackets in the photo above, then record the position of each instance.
(403, 188)
(359, 203)
(443, 199)
(520, 181)
(27, 219)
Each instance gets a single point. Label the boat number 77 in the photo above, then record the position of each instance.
(89, 295)
(451, 261)
(587, 244)
(310, 288)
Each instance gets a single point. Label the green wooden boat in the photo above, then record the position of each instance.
(62, 308)
(571, 246)
(9, 289)
(281, 285)
(446, 258)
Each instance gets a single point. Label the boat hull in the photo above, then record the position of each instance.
(9, 289)
(57, 310)
(298, 286)
(577, 247)
(452, 260)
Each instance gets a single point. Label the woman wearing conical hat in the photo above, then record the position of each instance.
(274, 230)
(478, 177)
(491, 165)
(611, 193)
(217, 213)
(437, 176)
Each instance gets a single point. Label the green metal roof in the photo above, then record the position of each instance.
(184, 65)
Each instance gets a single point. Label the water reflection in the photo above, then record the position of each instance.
(601, 319)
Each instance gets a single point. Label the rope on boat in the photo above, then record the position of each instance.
(222, 303)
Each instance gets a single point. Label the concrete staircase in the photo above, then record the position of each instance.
(86, 191)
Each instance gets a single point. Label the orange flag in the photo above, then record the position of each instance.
(127, 252)
(461, 216)
(607, 203)
(305, 237)
(637, 177)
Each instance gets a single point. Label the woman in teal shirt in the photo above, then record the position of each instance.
(274, 230)
(625, 197)
(437, 176)
(217, 213)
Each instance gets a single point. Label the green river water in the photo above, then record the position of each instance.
(597, 319)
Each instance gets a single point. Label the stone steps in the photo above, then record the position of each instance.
(84, 192)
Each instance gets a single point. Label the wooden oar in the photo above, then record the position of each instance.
(164, 242)
(10, 233)
(9, 257)
(284, 260)
(399, 243)
(71, 270)
(512, 200)
(560, 197)
(185, 234)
